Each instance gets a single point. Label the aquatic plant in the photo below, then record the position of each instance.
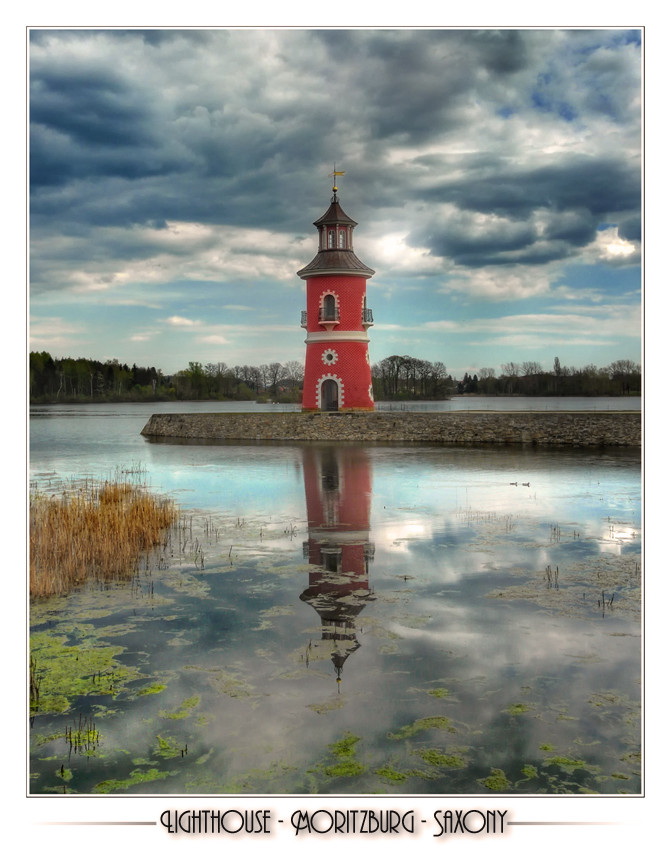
(96, 530)
(496, 781)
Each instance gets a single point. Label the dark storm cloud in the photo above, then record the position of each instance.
(630, 228)
(142, 127)
(600, 186)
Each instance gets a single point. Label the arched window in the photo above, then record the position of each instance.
(341, 239)
(331, 239)
(329, 307)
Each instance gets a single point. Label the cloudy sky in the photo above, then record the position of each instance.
(495, 175)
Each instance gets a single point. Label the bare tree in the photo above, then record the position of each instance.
(510, 370)
(295, 371)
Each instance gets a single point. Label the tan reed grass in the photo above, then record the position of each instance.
(93, 530)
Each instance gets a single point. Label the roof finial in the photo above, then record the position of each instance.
(335, 174)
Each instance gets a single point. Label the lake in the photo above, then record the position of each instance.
(339, 619)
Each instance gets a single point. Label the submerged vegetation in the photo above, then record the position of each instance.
(97, 530)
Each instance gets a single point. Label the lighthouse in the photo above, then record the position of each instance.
(337, 365)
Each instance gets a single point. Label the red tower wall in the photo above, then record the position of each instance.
(331, 356)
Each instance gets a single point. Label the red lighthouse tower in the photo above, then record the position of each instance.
(337, 366)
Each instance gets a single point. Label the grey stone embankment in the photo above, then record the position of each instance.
(525, 428)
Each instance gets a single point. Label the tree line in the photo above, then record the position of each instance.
(69, 379)
(399, 377)
(406, 378)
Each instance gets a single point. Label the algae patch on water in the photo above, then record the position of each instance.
(440, 758)
(496, 781)
(136, 777)
(61, 672)
(184, 710)
(344, 753)
(421, 725)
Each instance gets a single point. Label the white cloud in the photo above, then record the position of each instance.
(609, 247)
(183, 322)
(500, 283)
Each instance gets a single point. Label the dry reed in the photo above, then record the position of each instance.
(93, 531)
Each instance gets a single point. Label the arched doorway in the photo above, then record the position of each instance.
(329, 395)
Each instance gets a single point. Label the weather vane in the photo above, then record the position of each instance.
(335, 174)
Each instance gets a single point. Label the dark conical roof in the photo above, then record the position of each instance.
(335, 215)
(336, 261)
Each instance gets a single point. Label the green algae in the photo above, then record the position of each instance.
(569, 764)
(67, 671)
(136, 777)
(344, 768)
(277, 777)
(496, 781)
(390, 774)
(344, 752)
(439, 693)
(185, 709)
(65, 774)
(345, 747)
(518, 708)
(440, 758)
(154, 688)
(205, 756)
(421, 725)
(167, 748)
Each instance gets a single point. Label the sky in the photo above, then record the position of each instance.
(495, 175)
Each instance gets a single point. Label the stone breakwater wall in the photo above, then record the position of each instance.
(496, 427)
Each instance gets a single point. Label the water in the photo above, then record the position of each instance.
(327, 619)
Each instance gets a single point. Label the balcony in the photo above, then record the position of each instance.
(330, 316)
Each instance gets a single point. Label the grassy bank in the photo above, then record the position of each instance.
(97, 530)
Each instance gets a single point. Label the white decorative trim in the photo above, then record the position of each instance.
(341, 389)
(322, 534)
(335, 296)
(329, 356)
(337, 336)
(370, 393)
(336, 273)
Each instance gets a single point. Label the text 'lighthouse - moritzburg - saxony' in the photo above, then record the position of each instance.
(337, 364)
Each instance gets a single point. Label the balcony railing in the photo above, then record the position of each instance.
(331, 316)
(334, 318)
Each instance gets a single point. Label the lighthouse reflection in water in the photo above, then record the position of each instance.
(338, 548)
